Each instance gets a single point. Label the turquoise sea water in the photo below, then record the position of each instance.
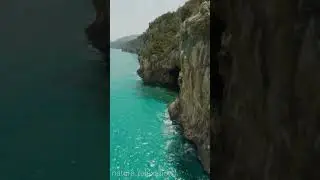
(144, 143)
(53, 118)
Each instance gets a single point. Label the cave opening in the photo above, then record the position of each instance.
(174, 73)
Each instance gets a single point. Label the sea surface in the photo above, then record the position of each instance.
(144, 143)
(53, 95)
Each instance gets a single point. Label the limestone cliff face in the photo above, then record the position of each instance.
(269, 124)
(154, 70)
(187, 65)
(194, 97)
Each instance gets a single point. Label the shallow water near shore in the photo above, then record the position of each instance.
(145, 144)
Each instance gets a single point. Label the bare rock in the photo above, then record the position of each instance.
(174, 109)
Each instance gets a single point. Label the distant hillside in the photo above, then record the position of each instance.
(133, 46)
(120, 43)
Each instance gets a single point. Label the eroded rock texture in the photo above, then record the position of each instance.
(158, 71)
(269, 126)
(194, 96)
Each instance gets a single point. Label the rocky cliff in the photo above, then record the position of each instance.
(268, 127)
(264, 116)
(192, 106)
(176, 54)
(265, 95)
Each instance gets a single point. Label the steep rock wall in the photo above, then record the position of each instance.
(194, 96)
(185, 63)
(269, 126)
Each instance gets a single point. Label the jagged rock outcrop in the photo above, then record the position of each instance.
(174, 109)
(269, 124)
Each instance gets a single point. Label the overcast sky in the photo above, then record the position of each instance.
(129, 17)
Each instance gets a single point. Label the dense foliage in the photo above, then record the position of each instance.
(163, 36)
(188, 9)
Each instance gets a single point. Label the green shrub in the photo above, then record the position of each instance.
(161, 36)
